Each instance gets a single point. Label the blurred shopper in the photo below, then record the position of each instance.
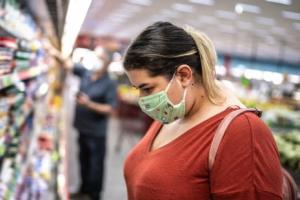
(96, 100)
(174, 69)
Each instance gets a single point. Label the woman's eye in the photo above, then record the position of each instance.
(147, 90)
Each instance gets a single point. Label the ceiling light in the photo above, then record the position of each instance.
(76, 14)
(284, 2)
(291, 15)
(183, 7)
(226, 14)
(265, 21)
(141, 2)
(241, 7)
(203, 2)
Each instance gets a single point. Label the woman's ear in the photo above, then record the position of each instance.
(184, 74)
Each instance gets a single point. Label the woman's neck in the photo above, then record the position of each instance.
(203, 108)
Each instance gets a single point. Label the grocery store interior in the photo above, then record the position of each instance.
(258, 49)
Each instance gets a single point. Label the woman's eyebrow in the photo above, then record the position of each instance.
(142, 85)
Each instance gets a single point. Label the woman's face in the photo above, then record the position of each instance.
(148, 85)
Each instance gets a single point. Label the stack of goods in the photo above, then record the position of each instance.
(4, 124)
(289, 149)
(7, 105)
(12, 151)
(26, 160)
(38, 176)
(35, 182)
(285, 125)
(7, 47)
(282, 119)
(24, 55)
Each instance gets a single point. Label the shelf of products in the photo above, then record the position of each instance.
(19, 60)
(289, 149)
(30, 149)
(17, 106)
(38, 180)
(31, 160)
(285, 125)
(16, 23)
(11, 79)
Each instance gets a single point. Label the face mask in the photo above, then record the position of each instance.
(159, 107)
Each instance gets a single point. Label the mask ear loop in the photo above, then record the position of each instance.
(169, 84)
(184, 94)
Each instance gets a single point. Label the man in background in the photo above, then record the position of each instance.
(95, 102)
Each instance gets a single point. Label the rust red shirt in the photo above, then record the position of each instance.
(247, 165)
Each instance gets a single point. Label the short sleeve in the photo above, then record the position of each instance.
(79, 70)
(247, 164)
(111, 94)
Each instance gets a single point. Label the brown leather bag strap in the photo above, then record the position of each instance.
(290, 188)
(220, 132)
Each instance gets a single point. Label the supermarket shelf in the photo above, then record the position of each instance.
(10, 79)
(7, 80)
(5, 30)
(32, 145)
(21, 120)
(31, 72)
(6, 27)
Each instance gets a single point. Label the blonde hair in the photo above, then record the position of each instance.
(208, 59)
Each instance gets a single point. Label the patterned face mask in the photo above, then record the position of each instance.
(159, 107)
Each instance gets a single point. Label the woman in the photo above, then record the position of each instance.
(174, 69)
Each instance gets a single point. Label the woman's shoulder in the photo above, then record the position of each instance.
(248, 131)
(250, 121)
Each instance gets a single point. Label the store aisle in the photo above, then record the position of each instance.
(114, 188)
(114, 185)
